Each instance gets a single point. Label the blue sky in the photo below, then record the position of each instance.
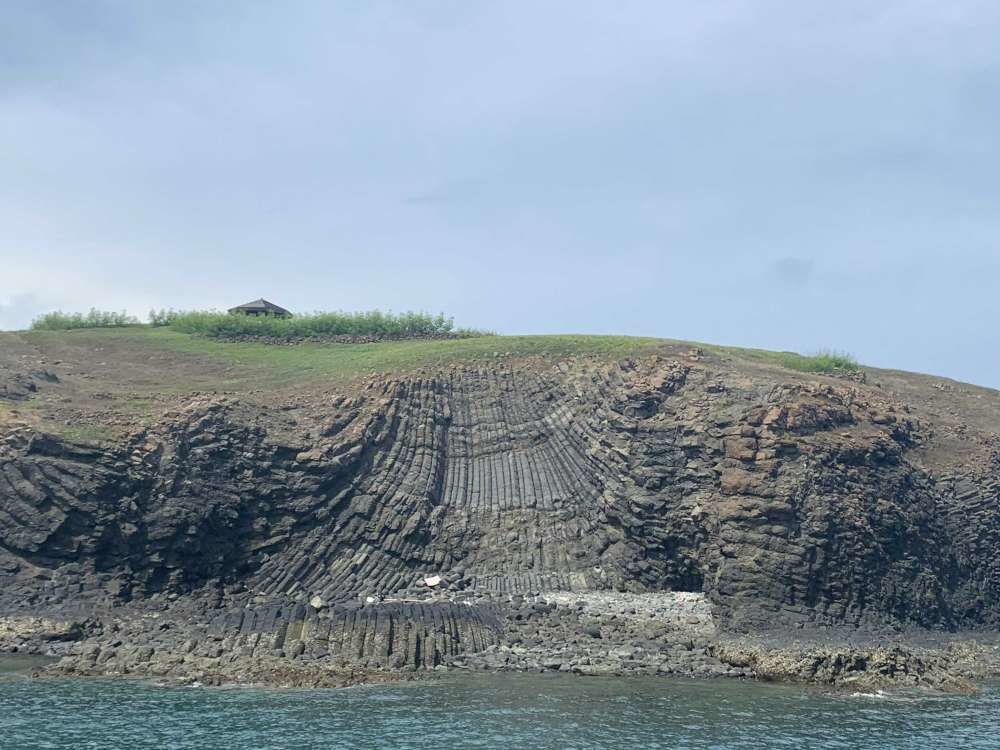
(789, 175)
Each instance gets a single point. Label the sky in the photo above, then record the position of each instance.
(786, 175)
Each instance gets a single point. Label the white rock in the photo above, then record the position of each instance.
(432, 581)
(317, 602)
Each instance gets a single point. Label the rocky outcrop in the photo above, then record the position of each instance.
(785, 502)
(952, 668)
(19, 386)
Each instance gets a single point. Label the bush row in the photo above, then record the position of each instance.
(374, 323)
(60, 321)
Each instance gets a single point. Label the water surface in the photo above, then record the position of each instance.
(486, 711)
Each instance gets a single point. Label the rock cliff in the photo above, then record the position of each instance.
(404, 521)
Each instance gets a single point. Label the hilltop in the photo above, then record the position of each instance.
(321, 512)
(130, 369)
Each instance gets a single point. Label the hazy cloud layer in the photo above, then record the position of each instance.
(777, 174)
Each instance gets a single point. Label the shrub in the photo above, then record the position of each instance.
(60, 321)
(213, 323)
(163, 317)
(320, 324)
(823, 361)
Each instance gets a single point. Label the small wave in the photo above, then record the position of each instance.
(877, 695)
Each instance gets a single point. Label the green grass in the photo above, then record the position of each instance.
(85, 433)
(309, 361)
(824, 362)
(211, 364)
(407, 346)
(238, 365)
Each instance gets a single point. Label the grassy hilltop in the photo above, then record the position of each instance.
(114, 372)
(252, 360)
(401, 341)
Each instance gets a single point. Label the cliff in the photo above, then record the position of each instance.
(456, 510)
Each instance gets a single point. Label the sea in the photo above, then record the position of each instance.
(484, 711)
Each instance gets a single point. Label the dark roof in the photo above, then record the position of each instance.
(260, 305)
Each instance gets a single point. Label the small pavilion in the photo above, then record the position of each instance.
(260, 307)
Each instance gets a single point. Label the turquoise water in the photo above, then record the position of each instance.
(526, 711)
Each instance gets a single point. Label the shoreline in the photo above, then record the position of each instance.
(333, 680)
(595, 634)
